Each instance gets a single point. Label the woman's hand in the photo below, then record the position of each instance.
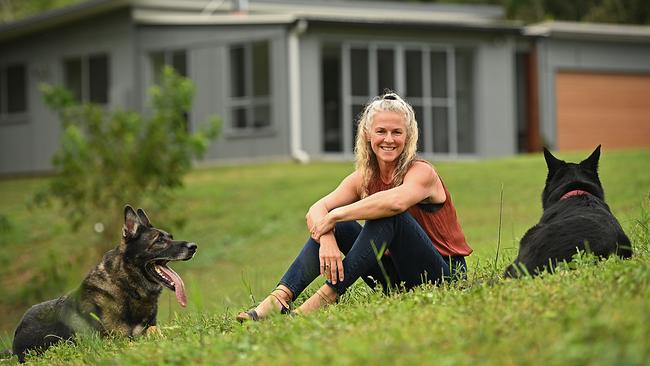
(322, 227)
(331, 260)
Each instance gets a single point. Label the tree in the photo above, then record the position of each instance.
(11, 10)
(599, 11)
(107, 159)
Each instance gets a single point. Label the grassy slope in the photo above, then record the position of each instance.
(248, 222)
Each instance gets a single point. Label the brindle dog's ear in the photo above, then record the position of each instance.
(552, 162)
(143, 218)
(591, 162)
(131, 222)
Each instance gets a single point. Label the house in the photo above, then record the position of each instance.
(288, 77)
(593, 83)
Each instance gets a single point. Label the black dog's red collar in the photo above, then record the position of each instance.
(575, 192)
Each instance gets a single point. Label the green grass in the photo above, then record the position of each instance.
(249, 224)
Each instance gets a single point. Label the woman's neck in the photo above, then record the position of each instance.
(386, 172)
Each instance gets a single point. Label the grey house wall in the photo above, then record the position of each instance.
(494, 88)
(208, 59)
(581, 55)
(494, 81)
(27, 145)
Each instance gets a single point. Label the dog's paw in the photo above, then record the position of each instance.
(153, 331)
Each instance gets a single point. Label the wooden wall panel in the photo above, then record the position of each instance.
(601, 108)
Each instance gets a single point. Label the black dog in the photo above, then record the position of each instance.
(119, 296)
(575, 217)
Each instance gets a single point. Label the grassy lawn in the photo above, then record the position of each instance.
(249, 224)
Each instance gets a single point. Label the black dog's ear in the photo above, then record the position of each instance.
(591, 162)
(131, 222)
(144, 219)
(552, 162)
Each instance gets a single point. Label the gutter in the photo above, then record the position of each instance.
(293, 40)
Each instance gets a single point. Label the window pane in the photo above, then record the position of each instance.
(261, 69)
(237, 71)
(464, 101)
(385, 70)
(179, 62)
(239, 116)
(331, 81)
(16, 89)
(419, 114)
(157, 62)
(413, 73)
(72, 75)
(440, 130)
(359, 71)
(357, 109)
(438, 74)
(262, 116)
(98, 79)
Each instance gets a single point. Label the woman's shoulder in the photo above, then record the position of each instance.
(424, 165)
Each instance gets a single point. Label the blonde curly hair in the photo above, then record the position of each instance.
(365, 159)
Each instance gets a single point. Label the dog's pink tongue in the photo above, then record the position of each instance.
(179, 286)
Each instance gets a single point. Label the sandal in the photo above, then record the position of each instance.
(254, 316)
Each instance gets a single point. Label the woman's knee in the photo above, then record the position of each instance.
(389, 220)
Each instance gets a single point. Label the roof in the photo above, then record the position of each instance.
(589, 31)
(223, 12)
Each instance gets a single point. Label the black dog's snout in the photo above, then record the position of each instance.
(191, 249)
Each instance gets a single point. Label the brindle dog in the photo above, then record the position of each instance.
(575, 217)
(119, 296)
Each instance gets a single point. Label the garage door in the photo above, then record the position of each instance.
(597, 108)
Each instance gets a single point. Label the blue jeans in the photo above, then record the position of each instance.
(413, 258)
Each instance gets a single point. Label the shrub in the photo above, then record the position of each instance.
(109, 158)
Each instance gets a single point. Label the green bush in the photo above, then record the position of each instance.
(107, 159)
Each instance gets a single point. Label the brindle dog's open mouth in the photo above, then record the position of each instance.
(167, 277)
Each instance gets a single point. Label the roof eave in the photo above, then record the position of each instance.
(505, 28)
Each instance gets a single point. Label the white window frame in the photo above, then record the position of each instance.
(249, 101)
(427, 102)
(85, 75)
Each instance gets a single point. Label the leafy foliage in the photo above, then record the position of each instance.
(11, 10)
(599, 11)
(529, 11)
(109, 158)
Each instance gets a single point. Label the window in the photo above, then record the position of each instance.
(176, 59)
(88, 78)
(13, 90)
(250, 87)
(331, 81)
(437, 80)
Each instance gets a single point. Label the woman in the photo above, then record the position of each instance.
(408, 211)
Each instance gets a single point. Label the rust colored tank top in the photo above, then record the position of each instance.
(439, 221)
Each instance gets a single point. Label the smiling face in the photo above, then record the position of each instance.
(387, 136)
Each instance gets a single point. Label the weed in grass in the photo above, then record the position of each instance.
(640, 233)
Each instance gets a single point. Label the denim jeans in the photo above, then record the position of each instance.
(412, 260)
